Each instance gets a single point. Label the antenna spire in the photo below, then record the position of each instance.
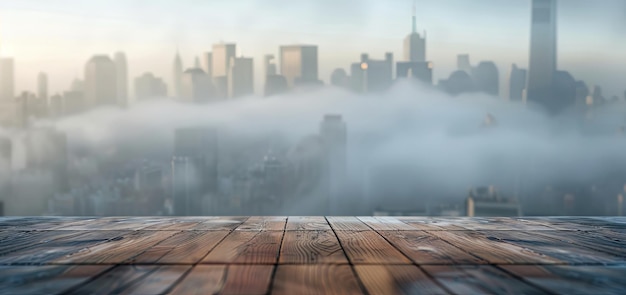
(414, 17)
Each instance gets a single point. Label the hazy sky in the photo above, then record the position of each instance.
(59, 36)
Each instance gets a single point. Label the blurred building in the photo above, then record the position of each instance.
(100, 82)
(486, 78)
(340, 78)
(42, 86)
(46, 151)
(207, 63)
(485, 201)
(148, 86)
(275, 84)
(517, 83)
(196, 86)
(177, 77)
(269, 66)
(371, 75)
(463, 63)
(241, 77)
(121, 68)
(543, 54)
(459, 82)
(333, 136)
(298, 64)
(194, 170)
(7, 80)
(414, 44)
(419, 70)
(222, 55)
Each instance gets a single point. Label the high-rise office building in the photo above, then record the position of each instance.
(148, 86)
(298, 64)
(371, 75)
(207, 63)
(241, 77)
(463, 63)
(42, 86)
(100, 81)
(334, 135)
(486, 78)
(543, 53)
(7, 80)
(414, 44)
(177, 76)
(274, 83)
(221, 57)
(517, 83)
(419, 70)
(459, 82)
(196, 86)
(269, 66)
(46, 150)
(340, 78)
(121, 68)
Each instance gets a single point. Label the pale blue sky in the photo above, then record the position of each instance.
(58, 36)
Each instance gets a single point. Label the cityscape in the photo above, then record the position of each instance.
(382, 136)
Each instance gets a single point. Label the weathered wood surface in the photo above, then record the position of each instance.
(312, 255)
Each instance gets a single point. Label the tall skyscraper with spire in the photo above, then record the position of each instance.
(177, 76)
(543, 56)
(414, 44)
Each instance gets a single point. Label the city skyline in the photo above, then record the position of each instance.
(577, 52)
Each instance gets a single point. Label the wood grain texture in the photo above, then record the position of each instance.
(593, 240)
(424, 248)
(492, 250)
(247, 247)
(226, 279)
(259, 223)
(221, 223)
(385, 223)
(315, 279)
(429, 223)
(311, 247)
(478, 279)
(567, 279)
(396, 279)
(50, 279)
(19, 241)
(185, 247)
(347, 223)
(369, 247)
(307, 223)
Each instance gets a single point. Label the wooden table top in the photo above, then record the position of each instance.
(312, 255)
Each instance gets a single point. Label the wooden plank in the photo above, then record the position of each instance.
(594, 240)
(307, 223)
(185, 247)
(496, 223)
(492, 250)
(559, 223)
(424, 248)
(396, 279)
(369, 247)
(36, 223)
(223, 279)
(311, 247)
(50, 279)
(247, 247)
(315, 279)
(478, 279)
(175, 224)
(428, 223)
(135, 279)
(16, 241)
(554, 248)
(579, 279)
(63, 245)
(258, 223)
(117, 250)
(385, 223)
(347, 223)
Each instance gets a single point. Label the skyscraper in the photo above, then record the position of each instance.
(196, 86)
(372, 75)
(100, 81)
(121, 68)
(7, 80)
(333, 135)
(414, 44)
(486, 78)
(268, 65)
(241, 77)
(420, 70)
(221, 56)
(148, 86)
(517, 83)
(463, 63)
(298, 64)
(543, 56)
(42, 86)
(177, 76)
(207, 63)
